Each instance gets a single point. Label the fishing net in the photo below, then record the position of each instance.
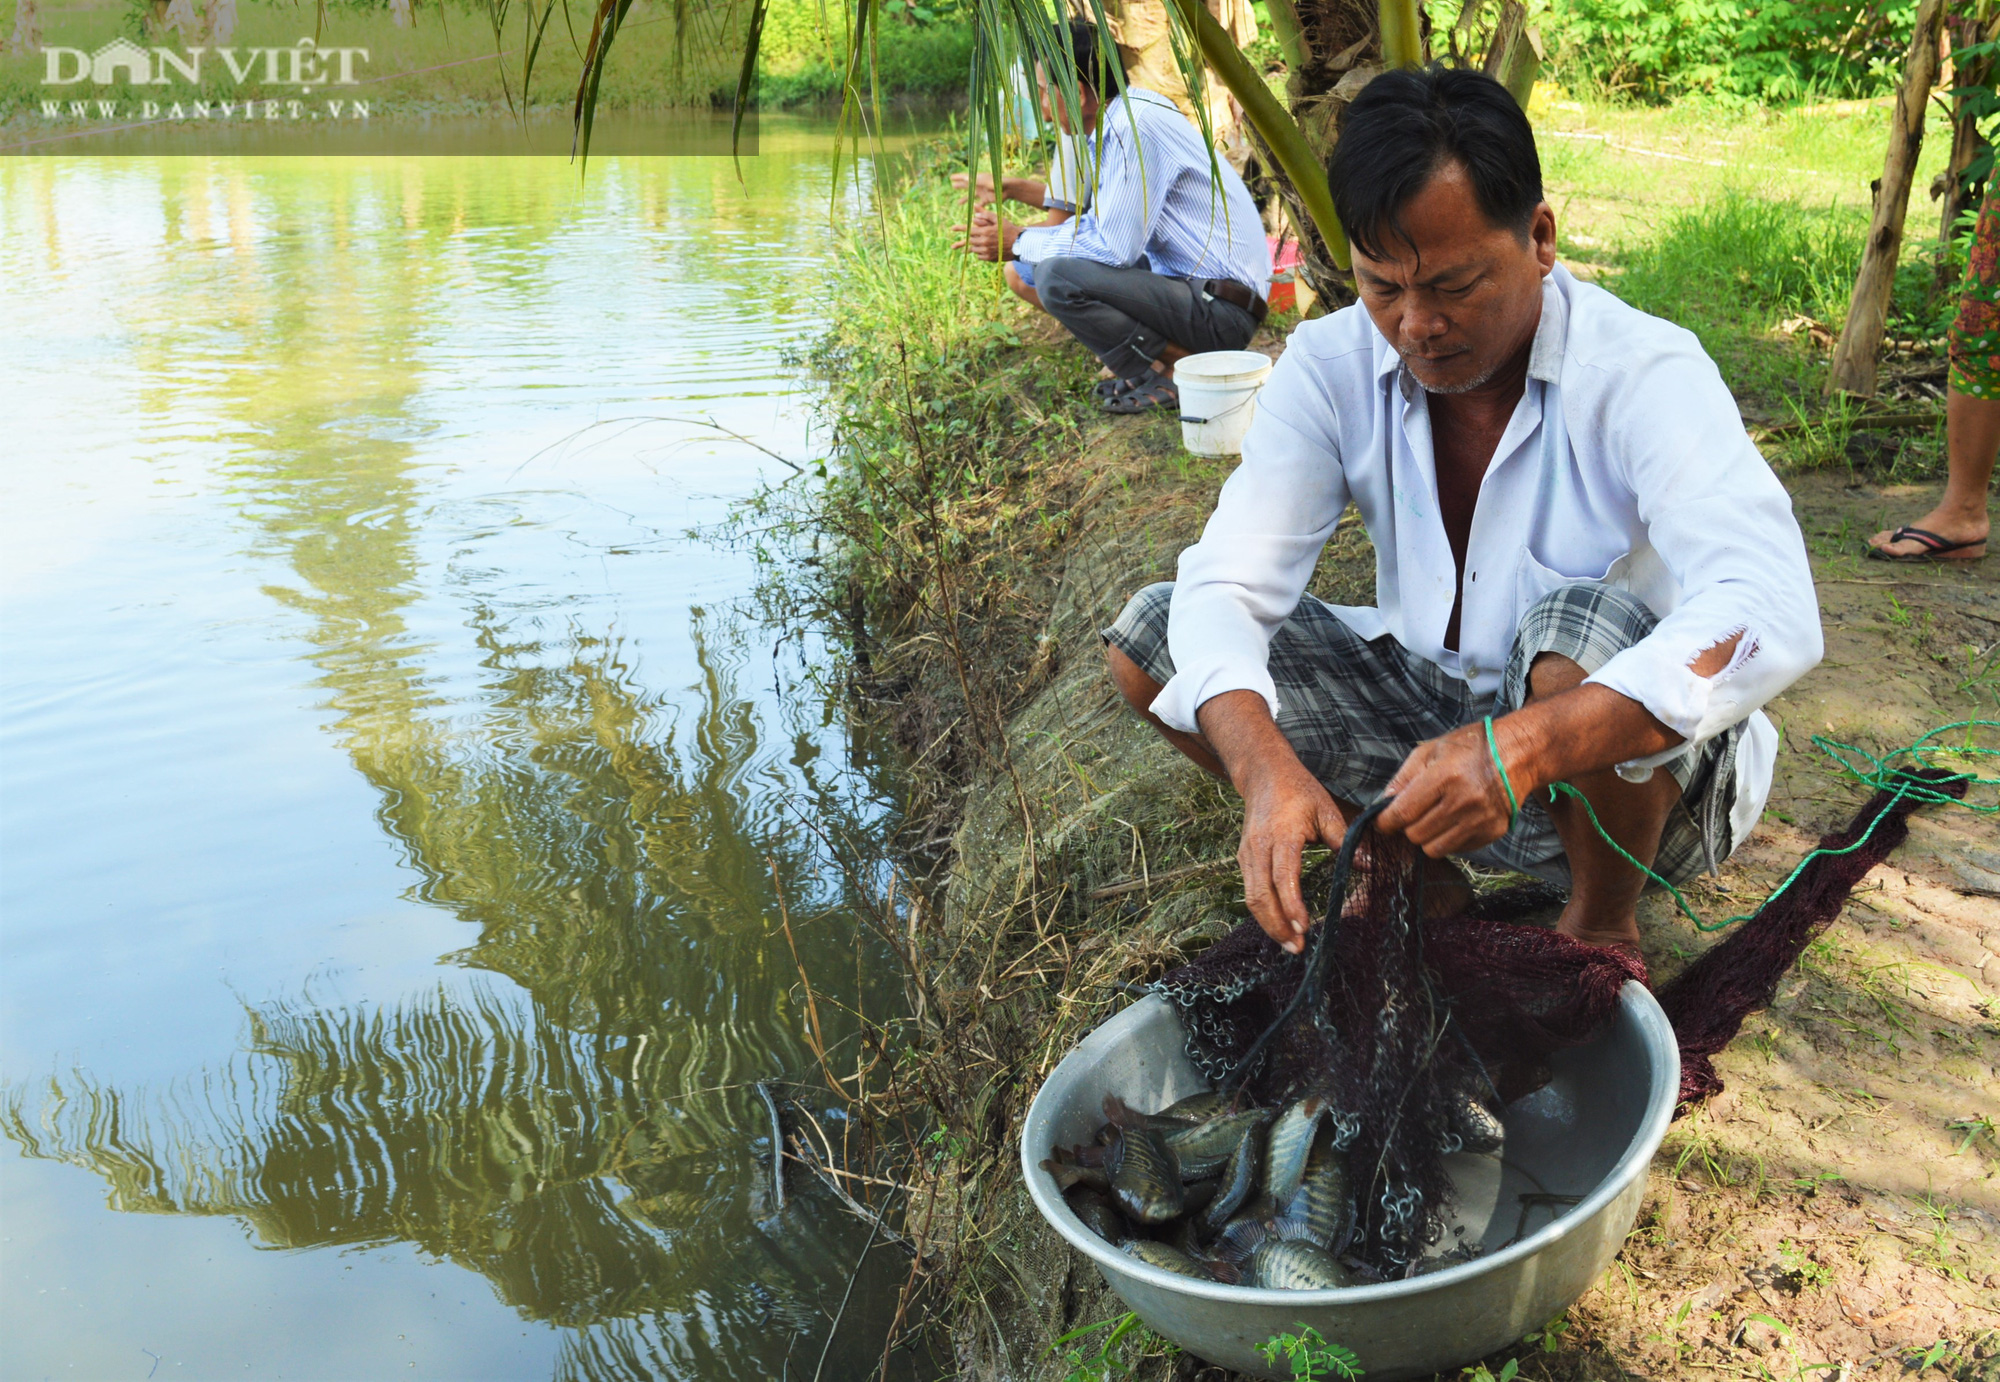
(1418, 1029)
(1707, 1001)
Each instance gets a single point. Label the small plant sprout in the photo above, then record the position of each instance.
(1806, 1274)
(1972, 1131)
(1479, 1372)
(1941, 1251)
(1549, 1336)
(1939, 1355)
(1126, 1333)
(1310, 1356)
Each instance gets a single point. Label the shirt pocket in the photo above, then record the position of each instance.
(1639, 572)
(1537, 579)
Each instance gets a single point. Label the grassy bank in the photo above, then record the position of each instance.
(975, 525)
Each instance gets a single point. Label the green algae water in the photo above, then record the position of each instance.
(398, 795)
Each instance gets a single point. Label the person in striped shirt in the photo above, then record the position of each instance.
(1169, 258)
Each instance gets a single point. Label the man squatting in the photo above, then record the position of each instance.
(1573, 535)
(1167, 259)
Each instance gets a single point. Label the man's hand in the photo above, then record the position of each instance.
(1448, 796)
(1284, 810)
(988, 237)
(984, 196)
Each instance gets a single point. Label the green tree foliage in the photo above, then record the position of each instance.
(924, 48)
(1752, 49)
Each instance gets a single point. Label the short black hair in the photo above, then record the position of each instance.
(1093, 64)
(1405, 125)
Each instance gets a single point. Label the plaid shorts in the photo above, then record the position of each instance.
(1354, 708)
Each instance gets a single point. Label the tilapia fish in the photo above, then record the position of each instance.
(1291, 1144)
(1099, 1215)
(1196, 1108)
(1074, 1166)
(1239, 1178)
(1215, 1191)
(1169, 1258)
(1321, 1210)
(1203, 1148)
(1289, 1265)
(1145, 1179)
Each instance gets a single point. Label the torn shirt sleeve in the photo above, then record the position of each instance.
(1722, 524)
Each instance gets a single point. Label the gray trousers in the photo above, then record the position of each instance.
(1128, 316)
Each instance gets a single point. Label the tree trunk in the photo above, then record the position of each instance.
(27, 38)
(1950, 188)
(1514, 57)
(1331, 48)
(1299, 168)
(1853, 368)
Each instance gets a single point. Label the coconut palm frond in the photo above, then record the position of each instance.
(1326, 43)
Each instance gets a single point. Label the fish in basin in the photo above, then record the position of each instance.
(1289, 1265)
(1220, 1190)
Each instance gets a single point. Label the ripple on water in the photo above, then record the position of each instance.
(397, 800)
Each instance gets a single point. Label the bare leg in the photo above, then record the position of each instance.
(1446, 892)
(1019, 287)
(1972, 437)
(1170, 355)
(1604, 889)
(1140, 691)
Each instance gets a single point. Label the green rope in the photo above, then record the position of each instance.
(1881, 774)
(1513, 802)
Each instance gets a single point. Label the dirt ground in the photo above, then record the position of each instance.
(1837, 1207)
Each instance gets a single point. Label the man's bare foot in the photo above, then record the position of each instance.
(1596, 931)
(1946, 521)
(1446, 893)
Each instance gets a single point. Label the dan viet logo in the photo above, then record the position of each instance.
(305, 67)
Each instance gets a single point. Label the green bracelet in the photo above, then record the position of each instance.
(1493, 747)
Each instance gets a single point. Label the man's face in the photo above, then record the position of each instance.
(1468, 296)
(1069, 122)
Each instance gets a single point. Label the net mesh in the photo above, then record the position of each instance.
(1418, 1029)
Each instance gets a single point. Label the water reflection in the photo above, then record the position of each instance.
(585, 1142)
(352, 360)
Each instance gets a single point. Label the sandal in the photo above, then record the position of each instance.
(1933, 546)
(1142, 395)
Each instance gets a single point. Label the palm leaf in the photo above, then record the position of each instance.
(744, 80)
(1273, 123)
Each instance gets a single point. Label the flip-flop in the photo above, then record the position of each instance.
(1934, 547)
(1142, 395)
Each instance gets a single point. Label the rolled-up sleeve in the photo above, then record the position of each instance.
(1123, 207)
(1722, 524)
(1245, 576)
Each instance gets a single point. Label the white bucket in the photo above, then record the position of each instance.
(1218, 398)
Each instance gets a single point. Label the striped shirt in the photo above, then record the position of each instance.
(1157, 198)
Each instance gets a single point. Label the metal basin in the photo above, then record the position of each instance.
(1590, 1133)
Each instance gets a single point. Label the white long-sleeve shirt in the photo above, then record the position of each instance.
(1655, 487)
(1156, 195)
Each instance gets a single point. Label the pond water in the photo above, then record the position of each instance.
(398, 798)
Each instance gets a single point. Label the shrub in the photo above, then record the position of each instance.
(1749, 49)
(804, 55)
